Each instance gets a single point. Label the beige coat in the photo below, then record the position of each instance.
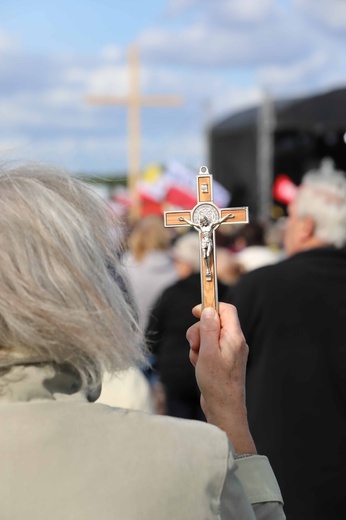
(63, 458)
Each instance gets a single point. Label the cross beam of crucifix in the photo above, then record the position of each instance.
(134, 101)
(206, 217)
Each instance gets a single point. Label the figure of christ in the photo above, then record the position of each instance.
(206, 229)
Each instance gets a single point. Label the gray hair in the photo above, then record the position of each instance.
(322, 196)
(64, 296)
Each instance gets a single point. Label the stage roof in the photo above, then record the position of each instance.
(325, 111)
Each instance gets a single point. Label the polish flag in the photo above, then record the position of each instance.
(182, 189)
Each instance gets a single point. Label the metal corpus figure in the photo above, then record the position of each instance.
(206, 228)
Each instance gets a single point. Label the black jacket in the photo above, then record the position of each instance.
(293, 315)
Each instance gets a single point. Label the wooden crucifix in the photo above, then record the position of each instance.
(205, 218)
(135, 101)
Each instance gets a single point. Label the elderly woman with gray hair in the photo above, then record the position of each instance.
(66, 316)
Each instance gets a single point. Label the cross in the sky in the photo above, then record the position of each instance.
(135, 101)
(206, 217)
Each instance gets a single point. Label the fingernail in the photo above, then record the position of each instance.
(209, 313)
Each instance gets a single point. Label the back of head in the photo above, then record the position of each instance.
(187, 250)
(63, 296)
(322, 196)
(148, 234)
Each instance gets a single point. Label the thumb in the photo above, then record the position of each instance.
(210, 332)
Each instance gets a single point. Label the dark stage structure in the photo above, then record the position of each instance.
(302, 132)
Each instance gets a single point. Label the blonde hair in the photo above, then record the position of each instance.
(64, 297)
(148, 234)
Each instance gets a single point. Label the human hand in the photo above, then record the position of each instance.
(218, 351)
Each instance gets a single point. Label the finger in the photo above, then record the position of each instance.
(193, 357)
(231, 336)
(193, 336)
(230, 324)
(196, 311)
(229, 312)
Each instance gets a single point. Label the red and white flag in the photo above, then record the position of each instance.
(284, 189)
(182, 188)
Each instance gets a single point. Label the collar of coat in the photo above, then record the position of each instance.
(41, 382)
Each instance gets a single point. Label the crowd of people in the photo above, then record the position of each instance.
(104, 348)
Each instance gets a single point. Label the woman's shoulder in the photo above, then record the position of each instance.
(167, 430)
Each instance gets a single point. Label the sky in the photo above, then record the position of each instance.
(219, 56)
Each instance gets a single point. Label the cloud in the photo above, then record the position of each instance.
(237, 33)
(213, 54)
(7, 42)
(229, 11)
(235, 98)
(178, 7)
(75, 153)
(105, 78)
(112, 53)
(46, 117)
(41, 91)
(242, 11)
(12, 147)
(330, 14)
(297, 75)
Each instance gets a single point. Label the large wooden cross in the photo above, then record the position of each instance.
(206, 217)
(135, 101)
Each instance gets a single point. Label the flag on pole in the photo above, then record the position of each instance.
(173, 187)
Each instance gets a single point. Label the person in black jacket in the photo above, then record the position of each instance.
(293, 315)
(169, 319)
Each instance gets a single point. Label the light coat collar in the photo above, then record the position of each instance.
(40, 382)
